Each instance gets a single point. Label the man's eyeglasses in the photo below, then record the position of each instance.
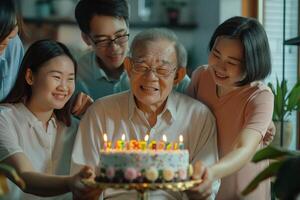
(160, 71)
(119, 40)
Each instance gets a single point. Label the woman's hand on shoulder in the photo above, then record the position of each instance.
(82, 102)
(269, 136)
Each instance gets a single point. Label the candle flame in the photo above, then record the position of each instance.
(123, 137)
(105, 137)
(164, 138)
(180, 138)
(146, 138)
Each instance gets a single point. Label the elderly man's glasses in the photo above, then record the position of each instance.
(119, 40)
(160, 71)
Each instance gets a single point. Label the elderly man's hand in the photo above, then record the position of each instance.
(83, 101)
(204, 189)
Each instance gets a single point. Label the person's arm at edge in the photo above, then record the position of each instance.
(43, 184)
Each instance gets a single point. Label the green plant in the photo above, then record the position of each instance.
(285, 168)
(285, 101)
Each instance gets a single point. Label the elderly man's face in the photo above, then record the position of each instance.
(152, 73)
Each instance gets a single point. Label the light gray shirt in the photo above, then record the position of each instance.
(118, 114)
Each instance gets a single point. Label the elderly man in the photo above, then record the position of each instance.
(151, 107)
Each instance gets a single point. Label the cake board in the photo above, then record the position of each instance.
(143, 188)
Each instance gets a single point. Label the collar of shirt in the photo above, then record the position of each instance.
(32, 119)
(99, 72)
(169, 110)
(2, 57)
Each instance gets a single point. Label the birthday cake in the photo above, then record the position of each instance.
(148, 165)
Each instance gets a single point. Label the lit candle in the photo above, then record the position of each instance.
(161, 144)
(167, 144)
(131, 144)
(123, 142)
(128, 145)
(175, 147)
(109, 145)
(153, 145)
(136, 145)
(181, 145)
(118, 145)
(146, 138)
(143, 144)
(105, 141)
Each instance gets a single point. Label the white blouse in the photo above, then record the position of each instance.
(49, 151)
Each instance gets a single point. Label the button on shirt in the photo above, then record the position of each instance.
(10, 61)
(92, 80)
(118, 114)
(49, 151)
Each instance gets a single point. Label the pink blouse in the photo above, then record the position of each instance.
(251, 107)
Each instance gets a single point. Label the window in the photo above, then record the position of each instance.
(273, 23)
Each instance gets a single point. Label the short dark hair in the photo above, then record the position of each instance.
(35, 57)
(154, 34)
(9, 17)
(257, 58)
(87, 9)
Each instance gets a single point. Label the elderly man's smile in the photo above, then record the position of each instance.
(149, 88)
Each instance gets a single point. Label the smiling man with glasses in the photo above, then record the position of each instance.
(156, 63)
(104, 27)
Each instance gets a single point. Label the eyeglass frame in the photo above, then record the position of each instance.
(153, 70)
(111, 41)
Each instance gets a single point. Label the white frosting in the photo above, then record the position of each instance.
(144, 159)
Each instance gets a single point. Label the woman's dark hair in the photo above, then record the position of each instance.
(35, 57)
(257, 58)
(87, 9)
(9, 18)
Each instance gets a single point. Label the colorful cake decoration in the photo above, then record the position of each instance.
(143, 144)
(122, 144)
(134, 161)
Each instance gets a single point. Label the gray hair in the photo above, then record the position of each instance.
(154, 34)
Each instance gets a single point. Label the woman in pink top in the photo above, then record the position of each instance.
(230, 86)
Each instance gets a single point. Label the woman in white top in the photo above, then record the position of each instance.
(36, 128)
